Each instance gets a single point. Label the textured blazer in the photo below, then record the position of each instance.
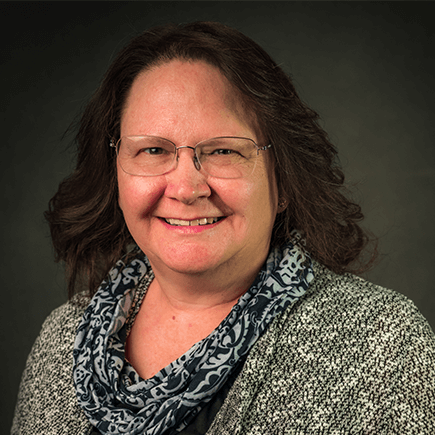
(348, 357)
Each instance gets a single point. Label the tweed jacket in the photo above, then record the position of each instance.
(349, 357)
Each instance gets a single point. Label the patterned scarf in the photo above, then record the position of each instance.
(117, 400)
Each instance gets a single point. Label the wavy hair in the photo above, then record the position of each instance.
(87, 227)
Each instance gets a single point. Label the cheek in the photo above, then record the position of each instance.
(137, 195)
(252, 201)
(263, 202)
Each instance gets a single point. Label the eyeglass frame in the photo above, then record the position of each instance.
(196, 160)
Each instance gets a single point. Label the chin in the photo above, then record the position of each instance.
(193, 259)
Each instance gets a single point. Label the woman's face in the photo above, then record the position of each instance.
(188, 102)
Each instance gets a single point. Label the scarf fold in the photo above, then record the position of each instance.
(117, 400)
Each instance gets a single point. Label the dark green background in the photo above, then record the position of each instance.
(367, 68)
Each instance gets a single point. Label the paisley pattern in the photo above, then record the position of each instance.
(117, 400)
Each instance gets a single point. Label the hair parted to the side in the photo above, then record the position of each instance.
(87, 227)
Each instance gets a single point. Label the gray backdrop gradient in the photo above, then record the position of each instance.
(367, 68)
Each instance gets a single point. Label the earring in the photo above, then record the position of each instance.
(282, 204)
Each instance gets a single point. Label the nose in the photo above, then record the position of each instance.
(187, 182)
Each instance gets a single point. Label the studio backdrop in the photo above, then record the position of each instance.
(366, 68)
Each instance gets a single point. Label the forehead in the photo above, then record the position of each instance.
(196, 77)
(167, 89)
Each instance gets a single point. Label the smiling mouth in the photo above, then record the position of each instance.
(202, 221)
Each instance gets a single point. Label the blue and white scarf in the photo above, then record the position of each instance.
(117, 400)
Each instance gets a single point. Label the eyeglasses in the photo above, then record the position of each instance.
(220, 157)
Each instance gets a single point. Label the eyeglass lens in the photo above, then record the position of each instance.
(228, 157)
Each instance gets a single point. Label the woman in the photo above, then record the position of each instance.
(207, 221)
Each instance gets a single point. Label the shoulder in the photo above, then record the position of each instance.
(60, 326)
(47, 377)
(348, 301)
(57, 335)
(348, 354)
(353, 320)
(350, 290)
(345, 313)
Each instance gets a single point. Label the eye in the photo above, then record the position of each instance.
(223, 152)
(226, 150)
(152, 151)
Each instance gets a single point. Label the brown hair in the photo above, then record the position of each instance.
(87, 227)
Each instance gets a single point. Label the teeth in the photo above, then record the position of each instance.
(203, 221)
